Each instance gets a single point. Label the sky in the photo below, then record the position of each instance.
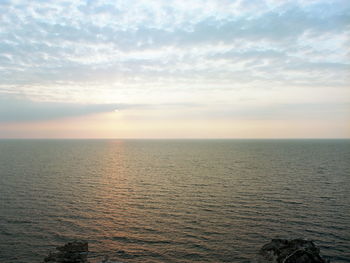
(175, 69)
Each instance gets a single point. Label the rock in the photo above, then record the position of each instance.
(277, 251)
(290, 251)
(73, 252)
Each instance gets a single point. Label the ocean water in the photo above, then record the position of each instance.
(172, 200)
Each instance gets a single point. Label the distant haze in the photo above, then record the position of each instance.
(175, 69)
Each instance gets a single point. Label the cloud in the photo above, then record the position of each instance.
(23, 110)
(290, 111)
(14, 108)
(250, 112)
(167, 52)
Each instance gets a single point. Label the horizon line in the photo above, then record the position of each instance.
(188, 138)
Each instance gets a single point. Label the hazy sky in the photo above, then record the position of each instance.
(168, 69)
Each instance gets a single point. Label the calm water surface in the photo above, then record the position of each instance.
(172, 200)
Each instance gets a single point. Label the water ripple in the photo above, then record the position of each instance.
(172, 201)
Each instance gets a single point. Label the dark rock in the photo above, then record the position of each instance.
(73, 252)
(290, 251)
(277, 251)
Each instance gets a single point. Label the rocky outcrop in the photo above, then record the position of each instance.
(73, 252)
(290, 251)
(277, 251)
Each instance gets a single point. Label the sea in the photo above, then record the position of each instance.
(173, 200)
